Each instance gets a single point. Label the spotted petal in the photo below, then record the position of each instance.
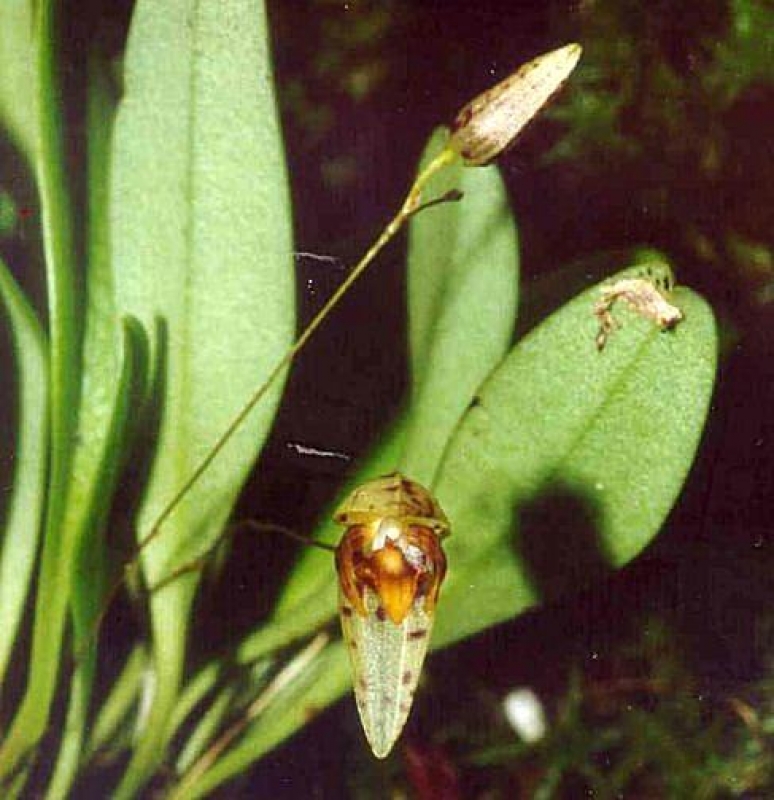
(386, 663)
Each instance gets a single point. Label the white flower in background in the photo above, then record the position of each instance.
(524, 712)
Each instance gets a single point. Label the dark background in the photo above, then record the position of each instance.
(663, 139)
(657, 142)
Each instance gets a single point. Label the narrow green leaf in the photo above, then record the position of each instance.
(14, 788)
(200, 225)
(572, 458)
(18, 74)
(118, 704)
(463, 279)
(206, 728)
(56, 562)
(27, 501)
(316, 687)
(203, 683)
(98, 459)
(112, 364)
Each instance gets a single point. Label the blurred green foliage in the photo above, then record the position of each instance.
(674, 104)
(634, 724)
(667, 122)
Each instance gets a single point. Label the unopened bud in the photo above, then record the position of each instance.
(490, 123)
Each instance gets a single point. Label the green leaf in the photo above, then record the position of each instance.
(583, 452)
(463, 279)
(200, 227)
(18, 74)
(462, 295)
(570, 461)
(27, 501)
(206, 728)
(98, 459)
(315, 687)
(61, 267)
(118, 705)
(203, 683)
(111, 370)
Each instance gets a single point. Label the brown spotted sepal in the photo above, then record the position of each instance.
(390, 565)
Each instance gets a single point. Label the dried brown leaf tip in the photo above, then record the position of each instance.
(490, 123)
(646, 295)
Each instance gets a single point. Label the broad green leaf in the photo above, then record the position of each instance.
(200, 228)
(18, 73)
(570, 460)
(463, 279)
(53, 589)
(583, 452)
(24, 514)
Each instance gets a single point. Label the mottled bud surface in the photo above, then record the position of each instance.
(490, 123)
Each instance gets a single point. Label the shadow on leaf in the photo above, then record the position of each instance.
(559, 541)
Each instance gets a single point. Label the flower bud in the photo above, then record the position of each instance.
(490, 123)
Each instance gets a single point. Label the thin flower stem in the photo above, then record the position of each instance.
(273, 527)
(197, 564)
(411, 204)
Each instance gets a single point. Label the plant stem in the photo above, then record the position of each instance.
(410, 206)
